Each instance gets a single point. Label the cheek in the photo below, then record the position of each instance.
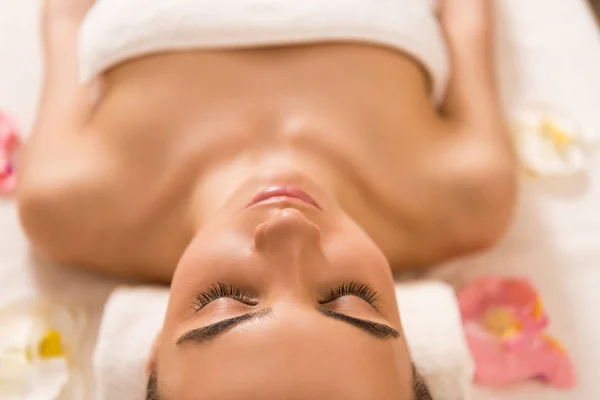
(356, 257)
(403, 363)
(212, 253)
(356, 252)
(206, 261)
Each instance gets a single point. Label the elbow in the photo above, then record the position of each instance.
(487, 205)
(39, 208)
(34, 206)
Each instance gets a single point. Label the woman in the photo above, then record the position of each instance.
(276, 188)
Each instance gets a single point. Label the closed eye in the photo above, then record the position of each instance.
(222, 290)
(361, 290)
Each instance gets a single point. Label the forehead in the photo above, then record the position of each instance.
(288, 363)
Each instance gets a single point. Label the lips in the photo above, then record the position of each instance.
(283, 192)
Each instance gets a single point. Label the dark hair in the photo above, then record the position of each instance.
(152, 392)
(420, 390)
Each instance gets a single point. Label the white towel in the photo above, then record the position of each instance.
(115, 30)
(133, 317)
(435, 336)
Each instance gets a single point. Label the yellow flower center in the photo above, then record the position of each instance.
(50, 346)
(501, 323)
(560, 138)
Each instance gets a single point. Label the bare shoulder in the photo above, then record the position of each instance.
(461, 201)
(82, 205)
(61, 191)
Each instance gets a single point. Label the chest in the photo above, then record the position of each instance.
(364, 125)
(153, 192)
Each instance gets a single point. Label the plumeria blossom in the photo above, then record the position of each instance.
(504, 321)
(9, 144)
(38, 345)
(552, 145)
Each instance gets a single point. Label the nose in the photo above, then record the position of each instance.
(287, 231)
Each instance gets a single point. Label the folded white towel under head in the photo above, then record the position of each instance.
(115, 31)
(430, 314)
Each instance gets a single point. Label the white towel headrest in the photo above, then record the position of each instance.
(430, 315)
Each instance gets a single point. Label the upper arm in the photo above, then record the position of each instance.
(464, 201)
(57, 163)
(54, 182)
(467, 186)
(42, 210)
(477, 185)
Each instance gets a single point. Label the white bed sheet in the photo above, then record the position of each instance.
(549, 53)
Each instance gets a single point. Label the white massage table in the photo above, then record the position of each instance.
(550, 54)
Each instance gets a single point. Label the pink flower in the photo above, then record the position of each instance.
(9, 143)
(504, 321)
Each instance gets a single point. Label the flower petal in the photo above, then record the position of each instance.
(495, 366)
(9, 143)
(8, 185)
(9, 134)
(558, 369)
(513, 294)
(549, 144)
(45, 338)
(48, 379)
(14, 370)
(504, 319)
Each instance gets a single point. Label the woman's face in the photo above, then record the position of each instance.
(282, 299)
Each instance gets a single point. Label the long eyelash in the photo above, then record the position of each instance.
(218, 291)
(362, 290)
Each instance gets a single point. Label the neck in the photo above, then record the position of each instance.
(244, 176)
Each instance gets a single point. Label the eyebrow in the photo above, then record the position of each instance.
(206, 333)
(376, 330)
(209, 332)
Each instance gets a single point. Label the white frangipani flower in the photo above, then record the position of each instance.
(551, 145)
(38, 343)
